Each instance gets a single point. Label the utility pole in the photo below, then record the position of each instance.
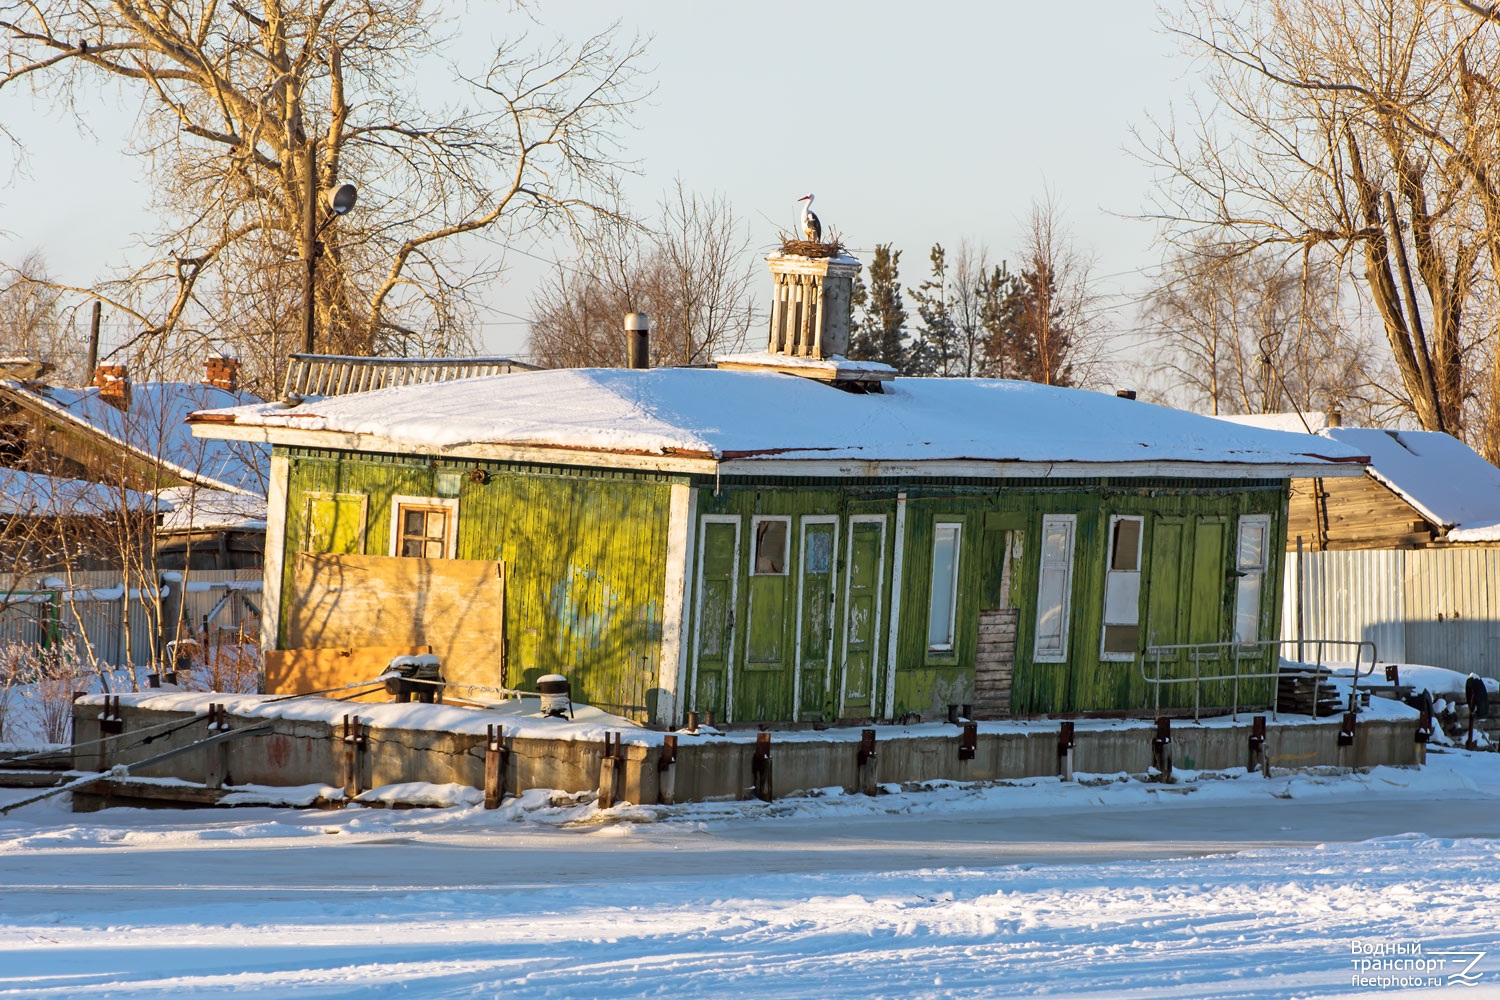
(310, 242)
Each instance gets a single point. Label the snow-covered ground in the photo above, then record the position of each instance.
(1220, 887)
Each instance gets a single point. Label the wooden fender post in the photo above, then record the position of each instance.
(495, 756)
(1258, 759)
(1161, 750)
(1065, 745)
(760, 767)
(666, 770)
(864, 762)
(353, 743)
(609, 771)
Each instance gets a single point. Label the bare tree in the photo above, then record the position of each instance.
(1254, 333)
(690, 274)
(1364, 131)
(235, 98)
(1042, 331)
(33, 320)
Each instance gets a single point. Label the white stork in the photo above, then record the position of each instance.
(811, 227)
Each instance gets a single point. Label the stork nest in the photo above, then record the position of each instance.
(812, 248)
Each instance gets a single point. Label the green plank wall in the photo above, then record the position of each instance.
(1174, 597)
(585, 556)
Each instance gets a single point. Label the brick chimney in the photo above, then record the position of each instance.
(113, 382)
(222, 373)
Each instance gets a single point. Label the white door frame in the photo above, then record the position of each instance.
(879, 599)
(734, 597)
(833, 570)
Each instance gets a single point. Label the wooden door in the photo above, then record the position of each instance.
(713, 614)
(864, 576)
(817, 591)
(999, 620)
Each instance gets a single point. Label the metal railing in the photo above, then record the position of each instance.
(336, 375)
(1214, 655)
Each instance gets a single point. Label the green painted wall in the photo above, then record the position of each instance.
(585, 558)
(1187, 593)
(586, 564)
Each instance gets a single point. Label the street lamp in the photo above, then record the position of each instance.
(340, 200)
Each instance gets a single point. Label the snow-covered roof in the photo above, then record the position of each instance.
(155, 429)
(30, 494)
(1439, 475)
(1446, 481)
(197, 509)
(744, 421)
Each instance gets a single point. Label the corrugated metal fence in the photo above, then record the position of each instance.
(1434, 606)
(89, 612)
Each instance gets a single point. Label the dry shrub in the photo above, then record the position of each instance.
(231, 668)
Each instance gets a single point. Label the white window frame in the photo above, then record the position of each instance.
(1124, 586)
(1065, 567)
(951, 586)
(399, 502)
(786, 555)
(1256, 572)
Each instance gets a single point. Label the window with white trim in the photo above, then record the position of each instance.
(424, 527)
(1252, 556)
(1054, 588)
(770, 534)
(1122, 589)
(943, 597)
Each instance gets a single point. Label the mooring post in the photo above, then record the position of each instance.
(609, 771)
(1257, 758)
(494, 766)
(1346, 739)
(216, 767)
(353, 743)
(666, 770)
(1161, 749)
(1423, 734)
(968, 741)
(760, 767)
(1065, 744)
(864, 762)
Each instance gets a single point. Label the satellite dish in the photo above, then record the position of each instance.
(342, 198)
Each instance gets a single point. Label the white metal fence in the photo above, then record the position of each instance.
(91, 612)
(1434, 606)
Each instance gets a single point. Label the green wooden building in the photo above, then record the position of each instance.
(768, 547)
(788, 537)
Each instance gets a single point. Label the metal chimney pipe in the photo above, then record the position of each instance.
(637, 341)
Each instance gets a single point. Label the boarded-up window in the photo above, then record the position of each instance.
(1253, 552)
(334, 522)
(1054, 588)
(1122, 590)
(943, 596)
(424, 528)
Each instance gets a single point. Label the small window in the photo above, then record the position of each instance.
(1250, 565)
(424, 528)
(770, 545)
(943, 600)
(1122, 590)
(1054, 588)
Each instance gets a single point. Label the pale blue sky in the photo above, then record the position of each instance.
(912, 123)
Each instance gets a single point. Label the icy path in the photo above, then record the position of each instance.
(1222, 889)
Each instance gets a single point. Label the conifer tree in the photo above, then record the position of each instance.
(881, 333)
(934, 351)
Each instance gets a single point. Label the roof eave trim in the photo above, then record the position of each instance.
(705, 464)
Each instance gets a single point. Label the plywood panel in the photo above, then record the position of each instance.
(453, 605)
(303, 671)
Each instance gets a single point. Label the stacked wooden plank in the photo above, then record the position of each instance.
(1307, 694)
(994, 663)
